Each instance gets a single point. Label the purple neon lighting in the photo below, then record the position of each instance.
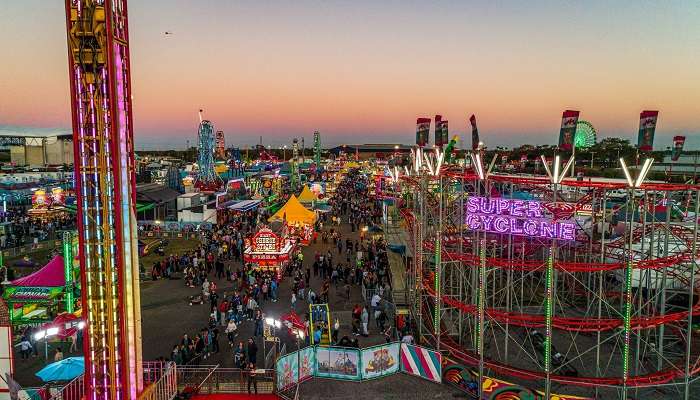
(515, 217)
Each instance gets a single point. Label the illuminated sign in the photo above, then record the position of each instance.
(265, 241)
(515, 217)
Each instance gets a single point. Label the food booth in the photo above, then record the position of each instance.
(267, 251)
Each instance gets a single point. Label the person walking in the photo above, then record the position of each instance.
(231, 331)
(294, 301)
(25, 348)
(365, 320)
(252, 378)
(252, 351)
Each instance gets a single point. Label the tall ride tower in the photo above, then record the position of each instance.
(317, 150)
(207, 178)
(98, 56)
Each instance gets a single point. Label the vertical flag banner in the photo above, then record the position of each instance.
(438, 131)
(421, 362)
(569, 119)
(380, 361)
(444, 133)
(422, 131)
(678, 142)
(647, 128)
(475, 133)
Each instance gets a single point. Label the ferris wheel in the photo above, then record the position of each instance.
(585, 136)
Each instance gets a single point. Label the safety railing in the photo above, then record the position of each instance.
(211, 379)
(165, 387)
(30, 248)
(160, 381)
(73, 390)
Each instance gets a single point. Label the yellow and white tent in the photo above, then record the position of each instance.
(307, 196)
(293, 212)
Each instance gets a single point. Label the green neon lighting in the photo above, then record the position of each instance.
(68, 270)
(549, 303)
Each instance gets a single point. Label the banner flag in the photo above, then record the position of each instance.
(569, 119)
(647, 128)
(438, 131)
(475, 133)
(678, 142)
(422, 131)
(445, 133)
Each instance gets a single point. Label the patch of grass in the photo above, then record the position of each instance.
(175, 246)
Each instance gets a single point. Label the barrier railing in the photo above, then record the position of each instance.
(165, 387)
(73, 390)
(211, 379)
(159, 381)
(30, 248)
(168, 235)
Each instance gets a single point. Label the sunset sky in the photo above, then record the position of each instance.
(362, 71)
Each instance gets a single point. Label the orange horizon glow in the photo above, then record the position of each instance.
(362, 72)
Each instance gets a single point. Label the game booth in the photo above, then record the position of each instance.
(298, 221)
(40, 296)
(267, 251)
(48, 206)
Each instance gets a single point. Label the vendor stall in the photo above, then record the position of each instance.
(268, 251)
(39, 296)
(298, 221)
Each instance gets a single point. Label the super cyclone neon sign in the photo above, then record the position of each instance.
(515, 217)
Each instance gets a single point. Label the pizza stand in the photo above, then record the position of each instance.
(267, 251)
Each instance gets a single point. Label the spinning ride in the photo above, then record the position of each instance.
(538, 283)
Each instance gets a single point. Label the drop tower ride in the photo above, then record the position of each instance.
(98, 55)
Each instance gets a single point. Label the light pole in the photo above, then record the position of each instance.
(269, 334)
(46, 334)
(284, 153)
(627, 328)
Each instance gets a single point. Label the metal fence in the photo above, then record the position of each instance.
(212, 379)
(164, 385)
(159, 380)
(30, 248)
(168, 235)
(74, 390)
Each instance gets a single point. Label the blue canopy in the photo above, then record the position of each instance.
(64, 370)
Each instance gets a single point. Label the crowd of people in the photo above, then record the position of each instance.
(26, 229)
(347, 263)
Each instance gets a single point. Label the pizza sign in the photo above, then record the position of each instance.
(265, 241)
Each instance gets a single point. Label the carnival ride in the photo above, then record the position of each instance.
(99, 70)
(558, 289)
(317, 151)
(320, 321)
(207, 179)
(585, 135)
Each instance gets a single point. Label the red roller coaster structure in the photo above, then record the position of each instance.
(605, 314)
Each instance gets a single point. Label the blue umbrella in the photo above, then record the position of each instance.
(64, 370)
